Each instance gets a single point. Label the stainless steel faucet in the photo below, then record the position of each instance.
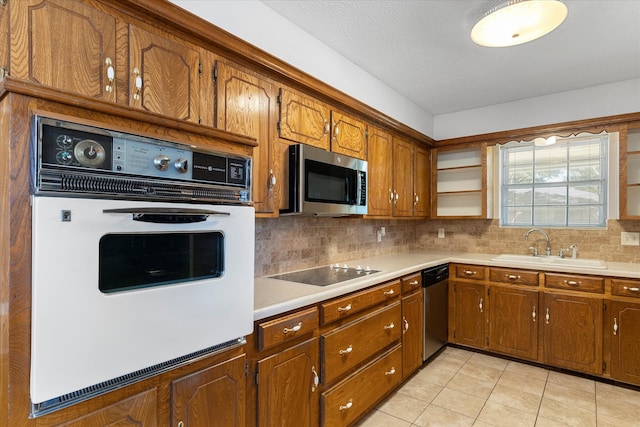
(546, 236)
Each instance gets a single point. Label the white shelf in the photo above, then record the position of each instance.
(461, 204)
(459, 158)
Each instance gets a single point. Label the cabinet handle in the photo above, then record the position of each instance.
(294, 329)
(413, 283)
(180, 423)
(345, 308)
(389, 292)
(615, 326)
(272, 179)
(335, 131)
(389, 326)
(138, 83)
(481, 305)
(316, 379)
(327, 127)
(406, 324)
(390, 196)
(546, 316)
(111, 74)
(391, 371)
(631, 289)
(512, 277)
(469, 272)
(347, 350)
(416, 199)
(572, 283)
(347, 406)
(533, 313)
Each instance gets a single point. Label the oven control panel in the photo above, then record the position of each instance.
(93, 153)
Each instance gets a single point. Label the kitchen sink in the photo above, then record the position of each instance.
(552, 260)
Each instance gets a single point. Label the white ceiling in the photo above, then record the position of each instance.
(422, 48)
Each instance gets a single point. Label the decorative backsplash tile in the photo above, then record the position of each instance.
(293, 243)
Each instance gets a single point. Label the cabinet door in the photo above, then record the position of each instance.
(212, 397)
(64, 44)
(163, 75)
(380, 172)
(304, 120)
(402, 178)
(470, 321)
(421, 188)
(135, 411)
(624, 327)
(412, 333)
(573, 332)
(513, 321)
(348, 135)
(287, 395)
(246, 104)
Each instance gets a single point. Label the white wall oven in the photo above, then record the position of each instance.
(142, 259)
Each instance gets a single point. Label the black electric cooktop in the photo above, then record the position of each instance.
(324, 276)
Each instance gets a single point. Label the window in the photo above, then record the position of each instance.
(559, 185)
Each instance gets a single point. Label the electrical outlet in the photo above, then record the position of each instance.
(629, 239)
(440, 233)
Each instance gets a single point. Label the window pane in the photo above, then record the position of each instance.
(519, 175)
(520, 215)
(550, 196)
(519, 196)
(585, 170)
(551, 173)
(549, 215)
(584, 215)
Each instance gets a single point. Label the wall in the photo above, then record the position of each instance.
(292, 243)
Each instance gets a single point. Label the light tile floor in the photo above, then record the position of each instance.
(463, 388)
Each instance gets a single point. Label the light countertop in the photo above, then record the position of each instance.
(273, 297)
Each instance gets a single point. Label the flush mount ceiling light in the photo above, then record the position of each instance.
(514, 22)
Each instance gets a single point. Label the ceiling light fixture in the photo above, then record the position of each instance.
(513, 22)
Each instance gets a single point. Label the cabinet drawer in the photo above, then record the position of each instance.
(348, 400)
(574, 283)
(627, 288)
(469, 272)
(411, 283)
(516, 277)
(346, 347)
(344, 307)
(287, 328)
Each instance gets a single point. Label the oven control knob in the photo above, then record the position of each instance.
(181, 165)
(161, 162)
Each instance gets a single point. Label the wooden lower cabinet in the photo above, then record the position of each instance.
(573, 331)
(287, 387)
(135, 411)
(348, 400)
(211, 397)
(412, 332)
(623, 325)
(513, 321)
(469, 326)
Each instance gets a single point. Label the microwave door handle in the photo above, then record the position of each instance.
(358, 188)
(167, 215)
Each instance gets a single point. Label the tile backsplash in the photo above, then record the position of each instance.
(291, 243)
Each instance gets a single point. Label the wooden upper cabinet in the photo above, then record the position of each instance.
(380, 172)
(421, 179)
(304, 119)
(64, 44)
(402, 178)
(163, 75)
(348, 135)
(214, 396)
(630, 171)
(247, 104)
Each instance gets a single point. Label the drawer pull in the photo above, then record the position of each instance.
(572, 283)
(345, 308)
(533, 313)
(138, 83)
(110, 74)
(413, 283)
(389, 326)
(347, 406)
(346, 351)
(389, 292)
(481, 306)
(294, 329)
(615, 326)
(512, 277)
(316, 379)
(406, 324)
(390, 372)
(470, 272)
(547, 316)
(634, 289)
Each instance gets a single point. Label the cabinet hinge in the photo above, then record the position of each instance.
(255, 377)
(278, 126)
(199, 68)
(604, 307)
(486, 340)
(488, 291)
(3, 70)
(246, 369)
(454, 333)
(280, 96)
(604, 367)
(214, 73)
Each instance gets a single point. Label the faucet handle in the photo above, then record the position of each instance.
(534, 250)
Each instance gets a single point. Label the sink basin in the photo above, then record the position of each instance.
(552, 260)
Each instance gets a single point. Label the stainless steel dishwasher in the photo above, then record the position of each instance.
(435, 281)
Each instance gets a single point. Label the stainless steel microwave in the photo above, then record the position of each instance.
(322, 183)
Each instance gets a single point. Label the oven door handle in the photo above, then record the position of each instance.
(167, 215)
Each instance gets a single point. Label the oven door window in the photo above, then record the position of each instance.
(133, 261)
(329, 183)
